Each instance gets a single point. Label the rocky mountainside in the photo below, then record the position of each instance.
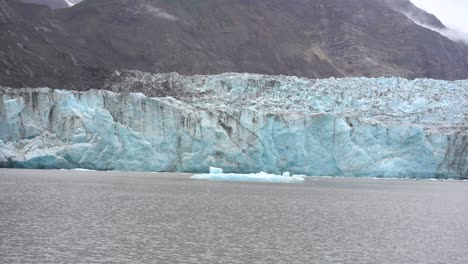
(81, 46)
(54, 4)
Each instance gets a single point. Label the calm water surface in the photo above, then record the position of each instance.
(116, 217)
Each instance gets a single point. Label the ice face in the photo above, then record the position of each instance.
(245, 123)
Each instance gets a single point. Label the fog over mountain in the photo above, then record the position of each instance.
(451, 12)
(429, 21)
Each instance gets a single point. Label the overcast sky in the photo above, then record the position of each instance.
(453, 13)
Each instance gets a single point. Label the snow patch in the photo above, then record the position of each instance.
(158, 12)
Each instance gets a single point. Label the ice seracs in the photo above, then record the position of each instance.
(243, 123)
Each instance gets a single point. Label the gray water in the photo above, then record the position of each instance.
(116, 217)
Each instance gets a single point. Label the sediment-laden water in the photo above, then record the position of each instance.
(119, 217)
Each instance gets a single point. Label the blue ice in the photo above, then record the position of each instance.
(384, 127)
(216, 174)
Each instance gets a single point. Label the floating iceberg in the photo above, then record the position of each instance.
(245, 123)
(216, 174)
(214, 170)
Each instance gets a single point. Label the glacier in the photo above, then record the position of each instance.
(243, 123)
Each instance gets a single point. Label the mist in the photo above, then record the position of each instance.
(450, 12)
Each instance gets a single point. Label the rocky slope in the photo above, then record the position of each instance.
(243, 123)
(80, 47)
(54, 4)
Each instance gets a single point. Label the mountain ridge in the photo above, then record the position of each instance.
(82, 46)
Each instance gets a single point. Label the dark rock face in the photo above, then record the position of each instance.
(5, 11)
(54, 4)
(80, 46)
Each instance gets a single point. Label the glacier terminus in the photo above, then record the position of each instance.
(243, 123)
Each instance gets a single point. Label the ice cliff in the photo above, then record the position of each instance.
(243, 123)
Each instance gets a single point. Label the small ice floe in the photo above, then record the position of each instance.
(216, 174)
(80, 169)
